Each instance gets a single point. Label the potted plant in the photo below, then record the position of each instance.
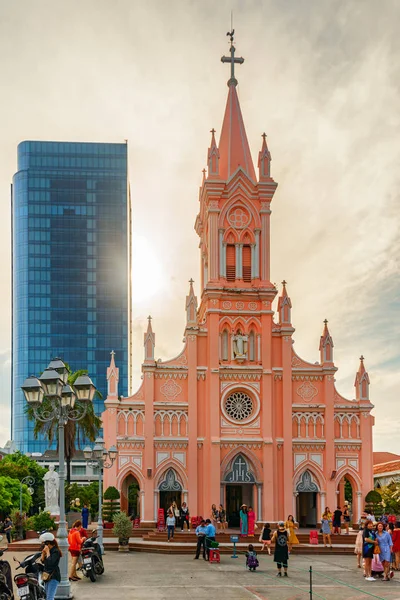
(122, 530)
(40, 522)
(111, 505)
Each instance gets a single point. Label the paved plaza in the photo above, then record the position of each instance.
(140, 576)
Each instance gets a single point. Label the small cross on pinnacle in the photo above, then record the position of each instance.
(112, 353)
(149, 318)
(284, 282)
(191, 281)
(212, 131)
(326, 321)
(264, 136)
(361, 358)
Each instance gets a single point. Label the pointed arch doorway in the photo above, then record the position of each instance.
(130, 496)
(170, 490)
(239, 483)
(307, 500)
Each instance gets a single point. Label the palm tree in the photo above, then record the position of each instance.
(75, 432)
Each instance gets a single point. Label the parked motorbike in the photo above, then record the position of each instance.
(6, 584)
(92, 560)
(30, 585)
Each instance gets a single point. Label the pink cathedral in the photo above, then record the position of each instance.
(238, 417)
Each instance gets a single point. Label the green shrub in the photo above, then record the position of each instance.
(111, 505)
(122, 527)
(41, 521)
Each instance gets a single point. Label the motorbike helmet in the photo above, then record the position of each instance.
(46, 537)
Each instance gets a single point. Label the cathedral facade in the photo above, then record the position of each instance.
(238, 417)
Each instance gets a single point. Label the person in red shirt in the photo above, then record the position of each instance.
(75, 541)
(396, 544)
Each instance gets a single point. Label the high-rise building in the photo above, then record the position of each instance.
(71, 266)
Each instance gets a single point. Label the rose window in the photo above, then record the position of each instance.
(239, 406)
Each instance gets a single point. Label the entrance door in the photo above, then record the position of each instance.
(168, 497)
(307, 509)
(233, 503)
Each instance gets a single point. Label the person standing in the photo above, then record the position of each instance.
(251, 521)
(171, 521)
(75, 541)
(222, 517)
(337, 521)
(184, 516)
(291, 526)
(7, 528)
(214, 515)
(384, 540)
(243, 520)
(368, 549)
(281, 552)
(346, 518)
(326, 528)
(50, 558)
(210, 537)
(85, 516)
(396, 545)
(201, 531)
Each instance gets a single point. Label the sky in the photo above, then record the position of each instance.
(321, 78)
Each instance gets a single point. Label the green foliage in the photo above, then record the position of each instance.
(41, 521)
(390, 498)
(373, 503)
(19, 522)
(122, 527)
(18, 466)
(133, 493)
(348, 491)
(9, 495)
(87, 494)
(111, 493)
(111, 503)
(74, 431)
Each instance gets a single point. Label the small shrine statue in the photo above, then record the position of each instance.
(239, 345)
(51, 490)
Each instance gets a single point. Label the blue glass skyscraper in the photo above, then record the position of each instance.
(71, 266)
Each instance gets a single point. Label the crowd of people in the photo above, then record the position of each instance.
(378, 547)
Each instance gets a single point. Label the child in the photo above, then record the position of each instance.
(359, 547)
(251, 558)
(170, 525)
(265, 537)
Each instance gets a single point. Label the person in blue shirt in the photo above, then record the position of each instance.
(210, 537)
(201, 539)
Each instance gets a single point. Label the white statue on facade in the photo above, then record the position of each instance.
(239, 345)
(51, 491)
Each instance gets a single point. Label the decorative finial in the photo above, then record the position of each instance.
(212, 131)
(232, 60)
(362, 358)
(284, 283)
(326, 321)
(149, 318)
(112, 353)
(191, 281)
(264, 136)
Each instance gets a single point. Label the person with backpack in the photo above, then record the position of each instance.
(265, 537)
(281, 553)
(251, 558)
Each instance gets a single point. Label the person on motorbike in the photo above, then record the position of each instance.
(75, 541)
(50, 558)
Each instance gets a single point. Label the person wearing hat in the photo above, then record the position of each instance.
(50, 558)
(281, 553)
(244, 527)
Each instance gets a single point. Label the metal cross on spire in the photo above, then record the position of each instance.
(232, 60)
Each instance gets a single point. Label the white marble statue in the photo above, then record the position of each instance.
(239, 345)
(51, 491)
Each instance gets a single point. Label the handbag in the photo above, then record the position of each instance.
(46, 576)
(377, 550)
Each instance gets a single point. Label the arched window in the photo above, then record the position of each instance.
(252, 346)
(224, 345)
(246, 263)
(230, 262)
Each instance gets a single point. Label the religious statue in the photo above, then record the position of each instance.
(239, 345)
(51, 489)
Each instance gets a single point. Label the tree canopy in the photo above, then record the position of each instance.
(10, 494)
(18, 466)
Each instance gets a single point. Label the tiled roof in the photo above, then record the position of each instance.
(392, 466)
(384, 457)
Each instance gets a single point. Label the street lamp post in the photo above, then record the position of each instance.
(53, 384)
(100, 458)
(29, 481)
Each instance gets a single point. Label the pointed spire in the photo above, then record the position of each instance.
(149, 342)
(204, 176)
(362, 382)
(191, 306)
(234, 150)
(112, 378)
(284, 307)
(264, 161)
(213, 157)
(326, 345)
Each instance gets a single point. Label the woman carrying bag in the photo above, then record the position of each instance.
(50, 558)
